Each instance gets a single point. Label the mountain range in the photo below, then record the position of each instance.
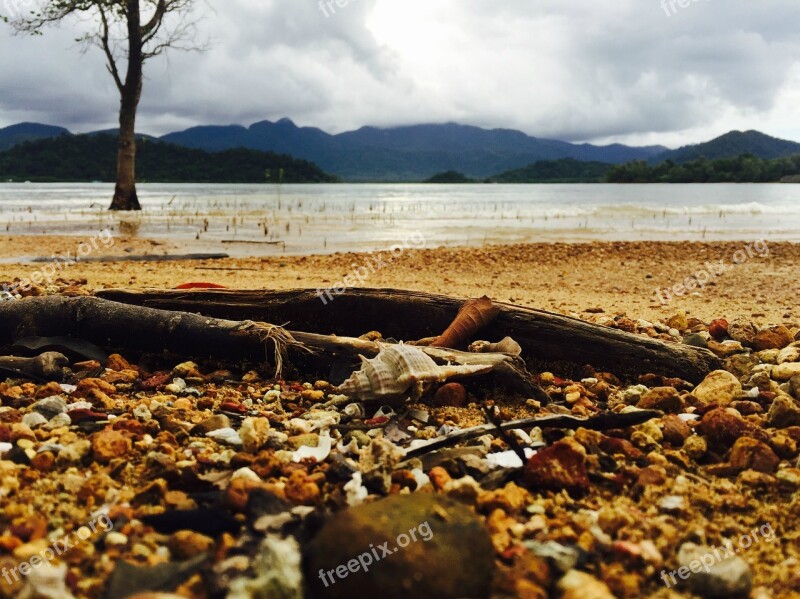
(417, 152)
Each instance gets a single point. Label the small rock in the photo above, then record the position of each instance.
(109, 444)
(752, 454)
(46, 581)
(695, 340)
(580, 585)
(675, 430)
(213, 423)
(58, 421)
(666, 399)
(726, 349)
(743, 331)
(50, 406)
(560, 466)
(741, 365)
(185, 544)
(33, 419)
(718, 329)
(791, 353)
(225, 435)
(254, 433)
(785, 371)
(74, 452)
(723, 427)
(784, 412)
(773, 338)
(719, 387)
(447, 534)
(794, 386)
(278, 569)
(451, 395)
(730, 577)
(115, 539)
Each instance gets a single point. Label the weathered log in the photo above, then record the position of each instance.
(414, 315)
(48, 366)
(116, 325)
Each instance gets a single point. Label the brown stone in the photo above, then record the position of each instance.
(748, 453)
(186, 544)
(772, 338)
(666, 399)
(452, 556)
(301, 490)
(109, 444)
(719, 387)
(560, 466)
(722, 428)
(451, 395)
(718, 329)
(675, 430)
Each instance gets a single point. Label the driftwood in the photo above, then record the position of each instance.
(48, 366)
(413, 315)
(116, 325)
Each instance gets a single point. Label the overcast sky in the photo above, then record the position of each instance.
(623, 70)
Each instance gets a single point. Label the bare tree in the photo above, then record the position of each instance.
(129, 32)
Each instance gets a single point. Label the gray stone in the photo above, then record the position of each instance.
(50, 406)
(710, 576)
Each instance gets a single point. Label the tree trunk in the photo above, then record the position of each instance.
(125, 197)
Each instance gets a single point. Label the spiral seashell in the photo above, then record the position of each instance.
(400, 371)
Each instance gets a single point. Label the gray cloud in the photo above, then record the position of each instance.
(569, 69)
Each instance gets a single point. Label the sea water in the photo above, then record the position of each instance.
(306, 219)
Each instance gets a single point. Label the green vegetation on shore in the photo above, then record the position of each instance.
(566, 170)
(450, 177)
(742, 169)
(82, 158)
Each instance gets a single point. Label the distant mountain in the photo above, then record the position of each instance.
(730, 145)
(16, 134)
(93, 158)
(413, 153)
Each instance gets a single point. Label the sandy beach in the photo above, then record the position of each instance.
(616, 277)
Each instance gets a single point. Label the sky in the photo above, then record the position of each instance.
(631, 71)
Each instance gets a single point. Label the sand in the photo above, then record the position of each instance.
(564, 278)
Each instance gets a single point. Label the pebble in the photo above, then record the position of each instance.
(186, 544)
(212, 423)
(666, 399)
(109, 444)
(46, 581)
(580, 585)
(784, 412)
(752, 454)
(785, 371)
(448, 534)
(254, 433)
(695, 340)
(58, 421)
(742, 330)
(560, 466)
(718, 329)
(723, 427)
(33, 419)
(731, 577)
(791, 353)
(773, 338)
(225, 435)
(719, 387)
(74, 452)
(50, 406)
(450, 395)
(278, 572)
(115, 539)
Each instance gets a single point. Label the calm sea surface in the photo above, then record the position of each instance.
(305, 219)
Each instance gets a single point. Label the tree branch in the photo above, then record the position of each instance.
(105, 45)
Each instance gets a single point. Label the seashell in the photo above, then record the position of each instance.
(505, 346)
(400, 371)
